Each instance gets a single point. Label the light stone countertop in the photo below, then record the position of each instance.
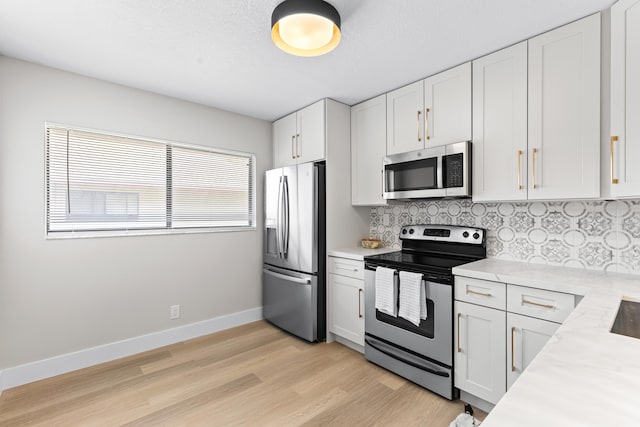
(358, 253)
(585, 375)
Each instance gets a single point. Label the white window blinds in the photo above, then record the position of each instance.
(99, 182)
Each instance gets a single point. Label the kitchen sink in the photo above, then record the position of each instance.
(627, 321)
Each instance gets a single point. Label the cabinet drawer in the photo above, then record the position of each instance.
(539, 303)
(346, 267)
(481, 292)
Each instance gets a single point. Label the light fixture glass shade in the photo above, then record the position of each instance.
(305, 27)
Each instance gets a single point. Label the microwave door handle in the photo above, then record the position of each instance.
(440, 172)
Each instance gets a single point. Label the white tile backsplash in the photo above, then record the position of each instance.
(598, 235)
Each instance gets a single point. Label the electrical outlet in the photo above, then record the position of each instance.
(385, 219)
(174, 312)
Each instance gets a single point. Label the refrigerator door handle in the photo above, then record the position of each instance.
(285, 244)
(278, 220)
(285, 277)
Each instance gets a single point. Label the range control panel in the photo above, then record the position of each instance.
(443, 233)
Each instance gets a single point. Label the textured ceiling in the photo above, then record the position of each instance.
(219, 53)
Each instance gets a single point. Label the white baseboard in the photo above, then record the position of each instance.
(350, 344)
(46, 368)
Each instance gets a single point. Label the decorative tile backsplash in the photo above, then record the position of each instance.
(599, 235)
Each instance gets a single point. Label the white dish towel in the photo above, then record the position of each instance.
(386, 291)
(412, 297)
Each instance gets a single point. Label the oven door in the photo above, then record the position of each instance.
(432, 339)
(416, 174)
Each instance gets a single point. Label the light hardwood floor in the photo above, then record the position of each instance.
(253, 375)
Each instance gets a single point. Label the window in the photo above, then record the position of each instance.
(101, 183)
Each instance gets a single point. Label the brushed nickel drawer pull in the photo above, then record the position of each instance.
(524, 301)
(483, 294)
(360, 303)
(459, 349)
(513, 365)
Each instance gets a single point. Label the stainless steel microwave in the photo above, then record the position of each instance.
(443, 171)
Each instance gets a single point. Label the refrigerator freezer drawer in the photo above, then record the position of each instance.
(290, 301)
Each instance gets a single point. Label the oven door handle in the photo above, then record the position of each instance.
(413, 361)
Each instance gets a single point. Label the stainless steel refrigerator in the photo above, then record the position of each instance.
(293, 277)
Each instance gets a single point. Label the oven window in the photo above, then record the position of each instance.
(415, 175)
(426, 327)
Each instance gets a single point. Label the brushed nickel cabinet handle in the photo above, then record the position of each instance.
(533, 161)
(613, 141)
(459, 349)
(513, 365)
(419, 139)
(524, 301)
(359, 303)
(519, 169)
(483, 294)
(293, 142)
(426, 124)
(298, 146)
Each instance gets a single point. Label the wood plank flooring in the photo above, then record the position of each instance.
(250, 375)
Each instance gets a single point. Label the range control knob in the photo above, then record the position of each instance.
(411, 231)
(476, 236)
(465, 234)
(404, 231)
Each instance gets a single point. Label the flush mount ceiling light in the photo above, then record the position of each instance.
(305, 27)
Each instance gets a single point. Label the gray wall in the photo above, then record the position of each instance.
(59, 296)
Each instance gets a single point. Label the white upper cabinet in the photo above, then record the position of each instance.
(284, 140)
(311, 133)
(405, 131)
(447, 106)
(300, 136)
(500, 125)
(368, 147)
(625, 98)
(564, 112)
(431, 112)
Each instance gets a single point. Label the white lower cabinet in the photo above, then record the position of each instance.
(499, 330)
(346, 299)
(479, 346)
(525, 338)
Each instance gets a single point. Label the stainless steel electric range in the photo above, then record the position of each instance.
(421, 353)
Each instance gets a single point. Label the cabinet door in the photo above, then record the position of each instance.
(311, 133)
(564, 112)
(405, 130)
(347, 307)
(500, 125)
(284, 140)
(447, 103)
(479, 346)
(368, 147)
(625, 97)
(525, 338)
